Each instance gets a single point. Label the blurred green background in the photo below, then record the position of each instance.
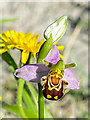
(35, 17)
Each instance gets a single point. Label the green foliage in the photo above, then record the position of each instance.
(8, 20)
(15, 110)
(33, 93)
(9, 60)
(19, 97)
(30, 102)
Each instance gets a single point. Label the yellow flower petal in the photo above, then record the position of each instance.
(34, 40)
(28, 36)
(13, 37)
(6, 38)
(3, 50)
(61, 56)
(0, 35)
(55, 43)
(11, 32)
(34, 54)
(10, 46)
(60, 47)
(25, 55)
(0, 98)
(7, 34)
(1, 41)
(40, 44)
(2, 45)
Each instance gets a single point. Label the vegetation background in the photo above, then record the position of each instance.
(35, 17)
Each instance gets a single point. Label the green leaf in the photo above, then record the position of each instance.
(35, 96)
(14, 109)
(45, 49)
(8, 20)
(28, 101)
(47, 114)
(40, 102)
(57, 29)
(9, 60)
(33, 92)
(19, 97)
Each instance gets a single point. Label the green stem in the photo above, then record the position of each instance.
(33, 92)
(40, 102)
(19, 97)
(42, 53)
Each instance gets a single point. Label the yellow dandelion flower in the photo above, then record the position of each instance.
(25, 42)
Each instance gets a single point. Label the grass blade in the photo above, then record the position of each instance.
(14, 109)
(28, 101)
(35, 96)
(8, 20)
(47, 114)
(33, 92)
(9, 60)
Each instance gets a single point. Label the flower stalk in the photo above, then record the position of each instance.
(19, 97)
(40, 102)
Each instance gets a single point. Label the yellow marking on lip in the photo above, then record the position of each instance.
(49, 96)
(63, 91)
(56, 97)
(43, 88)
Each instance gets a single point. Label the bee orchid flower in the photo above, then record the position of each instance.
(54, 80)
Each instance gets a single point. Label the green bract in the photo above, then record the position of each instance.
(60, 65)
(45, 49)
(57, 29)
